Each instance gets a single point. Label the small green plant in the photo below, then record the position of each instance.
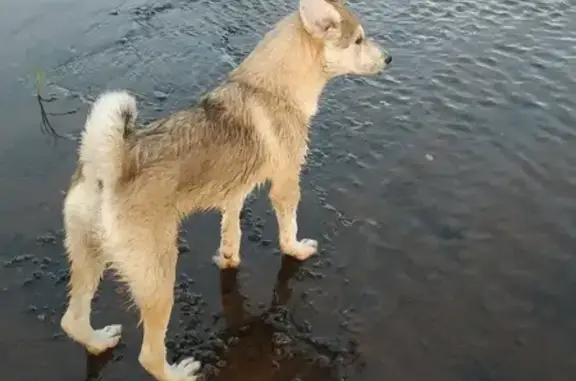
(39, 75)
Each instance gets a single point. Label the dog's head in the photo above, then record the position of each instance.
(346, 49)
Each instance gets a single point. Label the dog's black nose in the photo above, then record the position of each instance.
(388, 60)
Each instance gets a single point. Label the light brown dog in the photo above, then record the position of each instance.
(134, 185)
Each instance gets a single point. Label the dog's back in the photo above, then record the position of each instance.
(225, 145)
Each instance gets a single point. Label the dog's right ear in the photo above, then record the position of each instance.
(320, 18)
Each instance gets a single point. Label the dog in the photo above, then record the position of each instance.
(132, 185)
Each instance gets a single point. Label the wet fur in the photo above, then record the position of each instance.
(133, 185)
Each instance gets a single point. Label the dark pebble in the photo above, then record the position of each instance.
(255, 237)
(219, 344)
(233, 341)
(162, 7)
(46, 239)
(280, 338)
(306, 326)
(211, 370)
(183, 248)
(330, 208)
(160, 95)
(323, 361)
(117, 356)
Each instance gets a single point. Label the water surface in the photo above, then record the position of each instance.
(441, 193)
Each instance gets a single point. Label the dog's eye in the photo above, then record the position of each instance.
(359, 40)
(329, 27)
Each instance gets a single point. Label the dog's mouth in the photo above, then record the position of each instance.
(380, 66)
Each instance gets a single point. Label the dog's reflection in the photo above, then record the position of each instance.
(95, 364)
(233, 308)
(257, 356)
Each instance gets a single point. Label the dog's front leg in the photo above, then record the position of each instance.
(285, 196)
(230, 234)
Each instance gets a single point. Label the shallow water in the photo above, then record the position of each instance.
(441, 192)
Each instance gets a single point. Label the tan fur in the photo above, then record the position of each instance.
(133, 185)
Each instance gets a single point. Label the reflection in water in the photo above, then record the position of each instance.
(233, 300)
(96, 364)
(270, 345)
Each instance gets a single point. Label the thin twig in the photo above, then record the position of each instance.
(45, 125)
(62, 113)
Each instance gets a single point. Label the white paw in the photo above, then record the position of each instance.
(105, 338)
(303, 249)
(185, 370)
(226, 262)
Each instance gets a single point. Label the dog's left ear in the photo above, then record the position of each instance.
(320, 18)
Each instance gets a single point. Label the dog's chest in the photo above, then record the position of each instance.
(291, 145)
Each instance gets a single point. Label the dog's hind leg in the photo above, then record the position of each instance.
(86, 267)
(146, 258)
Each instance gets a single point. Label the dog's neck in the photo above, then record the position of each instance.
(287, 62)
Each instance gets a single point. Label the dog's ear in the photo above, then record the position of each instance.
(320, 18)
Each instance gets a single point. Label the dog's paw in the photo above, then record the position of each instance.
(224, 261)
(185, 370)
(104, 339)
(302, 249)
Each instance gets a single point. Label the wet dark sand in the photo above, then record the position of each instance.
(442, 194)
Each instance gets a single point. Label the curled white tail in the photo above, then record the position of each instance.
(102, 148)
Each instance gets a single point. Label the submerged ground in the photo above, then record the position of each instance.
(442, 193)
